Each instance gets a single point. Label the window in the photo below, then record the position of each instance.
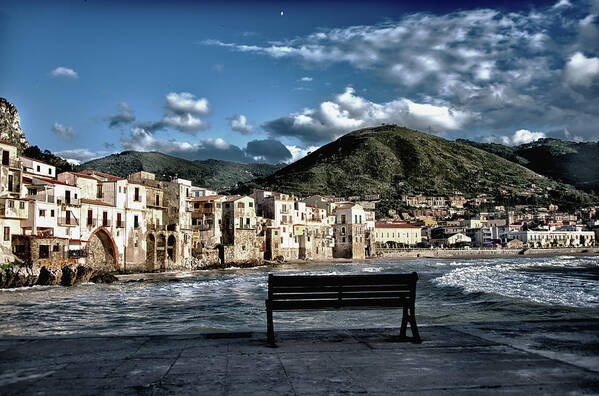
(7, 233)
(342, 219)
(42, 213)
(247, 221)
(5, 157)
(136, 221)
(251, 204)
(343, 239)
(38, 168)
(240, 205)
(118, 220)
(44, 251)
(33, 191)
(11, 203)
(51, 212)
(49, 171)
(99, 191)
(56, 248)
(157, 200)
(21, 205)
(218, 205)
(90, 217)
(136, 194)
(276, 233)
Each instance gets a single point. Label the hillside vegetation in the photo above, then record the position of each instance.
(565, 161)
(392, 160)
(215, 174)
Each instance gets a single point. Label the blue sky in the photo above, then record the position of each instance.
(240, 81)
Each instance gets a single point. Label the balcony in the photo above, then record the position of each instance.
(71, 201)
(105, 223)
(91, 223)
(68, 221)
(201, 227)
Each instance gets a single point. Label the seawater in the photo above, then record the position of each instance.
(233, 300)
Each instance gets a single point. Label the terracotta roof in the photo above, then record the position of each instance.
(7, 142)
(233, 198)
(393, 225)
(95, 202)
(106, 175)
(51, 181)
(36, 160)
(207, 198)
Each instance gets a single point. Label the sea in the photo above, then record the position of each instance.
(232, 300)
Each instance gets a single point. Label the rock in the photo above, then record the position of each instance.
(10, 125)
(279, 259)
(49, 277)
(103, 277)
(19, 276)
(84, 274)
(69, 275)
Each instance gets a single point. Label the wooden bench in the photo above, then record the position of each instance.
(330, 292)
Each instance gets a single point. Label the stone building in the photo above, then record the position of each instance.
(240, 229)
(349, 231)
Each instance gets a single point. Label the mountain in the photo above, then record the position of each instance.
(392, 161)
(215, 174)
(10, 125)
(569, 162)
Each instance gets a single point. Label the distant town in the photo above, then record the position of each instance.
(143, 224)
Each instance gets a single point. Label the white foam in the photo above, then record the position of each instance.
(508, 279)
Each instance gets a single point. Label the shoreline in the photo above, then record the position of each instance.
(408, 255)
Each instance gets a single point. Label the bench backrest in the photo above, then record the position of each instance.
(290, 292)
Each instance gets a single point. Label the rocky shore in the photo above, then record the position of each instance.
(21, 275)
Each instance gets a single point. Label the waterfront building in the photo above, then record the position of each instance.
(397, 235)
(348, 231)
(555, 238)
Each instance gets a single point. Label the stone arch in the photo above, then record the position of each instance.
(171, 247)
(161, 250)
(150, 251)
(101, 250)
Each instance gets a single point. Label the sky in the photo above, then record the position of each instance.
(273, 81)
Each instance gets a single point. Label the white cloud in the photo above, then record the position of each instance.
(185, 122)
(79, 156)
(562, 3)
(185, 102)
(581, 70)
(298, 152)
(306, 79)
(64, 132)
(64, 72)
(521, 136)
(240, 124)
(500, 64)
(269, 150)
(347, 111)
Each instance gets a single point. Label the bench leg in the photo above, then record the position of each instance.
(404, 323)
(270, 332)
(415, 335)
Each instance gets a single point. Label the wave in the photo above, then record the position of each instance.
(538, 281)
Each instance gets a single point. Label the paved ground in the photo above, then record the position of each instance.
(522, 358)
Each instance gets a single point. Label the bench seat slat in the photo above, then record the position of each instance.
(335, 280)
(344, 295)
(334, 304)
(328, 288)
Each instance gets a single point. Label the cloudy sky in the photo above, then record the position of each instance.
(271, 81)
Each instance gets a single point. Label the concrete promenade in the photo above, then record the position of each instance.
(548, 357)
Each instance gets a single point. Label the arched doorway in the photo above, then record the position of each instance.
(171, 248)
(102, 251)
(150, 252)
(161, 251)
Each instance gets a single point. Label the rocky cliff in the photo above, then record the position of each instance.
(10, 125)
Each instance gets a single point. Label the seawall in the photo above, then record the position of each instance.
(478, 253)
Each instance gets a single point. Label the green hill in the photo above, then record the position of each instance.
(565, 161)
(391, 161)
(215, 174)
